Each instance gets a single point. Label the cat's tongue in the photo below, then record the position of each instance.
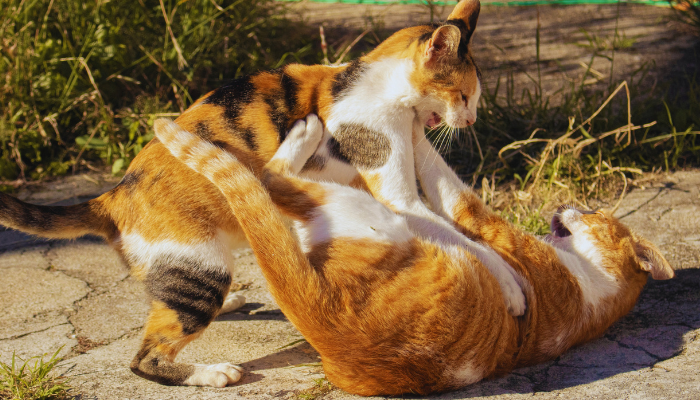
(433, 121)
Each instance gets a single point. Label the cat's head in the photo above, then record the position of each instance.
(444, 74)
(605, 241)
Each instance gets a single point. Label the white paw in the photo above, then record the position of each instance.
(232, 302)
(214, 375)
(507, 279)
(307, 133)
(301, 142)
(513, 296)
(314, 129)
(298, 129)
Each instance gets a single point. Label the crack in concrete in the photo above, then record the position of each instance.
(638, 348)
(33, 332)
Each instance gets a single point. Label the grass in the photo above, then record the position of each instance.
(33, 379)
(82, 82)
(319, 390)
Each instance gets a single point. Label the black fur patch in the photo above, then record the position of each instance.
(278, 114)
(335, 150)
(193, 290)
(248, 135)
(359, 146)
(232, 97)
(478, 70)
(345, 79)
(290, 88)
(427, 35)
(466, 34)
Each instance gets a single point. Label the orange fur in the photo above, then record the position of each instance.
(414, 317)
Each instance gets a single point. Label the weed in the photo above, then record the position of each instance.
(532, 152)
(33, 382)
(84, 81)
(320, 388)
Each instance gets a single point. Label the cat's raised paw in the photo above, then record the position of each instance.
(214, 375)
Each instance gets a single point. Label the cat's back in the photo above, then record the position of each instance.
(249, 117)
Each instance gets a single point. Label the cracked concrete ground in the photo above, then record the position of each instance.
(77, 294)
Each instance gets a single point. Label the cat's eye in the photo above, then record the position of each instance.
(464, 98)
(600, 212)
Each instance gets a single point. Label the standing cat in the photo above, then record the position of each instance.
(173, 227)
(392, 313)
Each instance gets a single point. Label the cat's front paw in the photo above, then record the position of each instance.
(301, 142)
(507, 278)
(306, 132)
(516, 302)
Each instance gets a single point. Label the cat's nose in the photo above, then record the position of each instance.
(471, 119)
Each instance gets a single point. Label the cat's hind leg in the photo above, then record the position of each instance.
(187, 286)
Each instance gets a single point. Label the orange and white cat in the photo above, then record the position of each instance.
(391, 312)
(173, 227)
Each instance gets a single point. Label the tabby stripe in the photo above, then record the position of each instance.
(194, 291)
(347, 77)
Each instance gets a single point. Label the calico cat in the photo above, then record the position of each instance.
(173, 227)
(390, 312)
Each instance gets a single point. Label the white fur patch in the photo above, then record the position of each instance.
(595, 283)
(369, 219)
(467, 374)
(213, 254)
(382, 99)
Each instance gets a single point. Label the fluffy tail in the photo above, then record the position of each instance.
(290, 277)
(54, 222)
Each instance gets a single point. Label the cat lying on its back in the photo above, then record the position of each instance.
(392, 313)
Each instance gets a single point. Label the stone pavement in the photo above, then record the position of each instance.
(77, 294)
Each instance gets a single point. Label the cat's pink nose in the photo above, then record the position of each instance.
(471, 119)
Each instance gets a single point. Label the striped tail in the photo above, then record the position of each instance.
(288, 272)
(55, 222)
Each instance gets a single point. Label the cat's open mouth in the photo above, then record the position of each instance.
(558, 228)
(434, 120)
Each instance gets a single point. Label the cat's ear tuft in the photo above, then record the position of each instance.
(442, 46)
(464, 16)
(651, 260)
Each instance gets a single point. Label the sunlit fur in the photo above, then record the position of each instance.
(172, 226)
(390, 312)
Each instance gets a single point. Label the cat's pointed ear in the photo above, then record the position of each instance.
(442, 45)
(651, 260)
(464, 16)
